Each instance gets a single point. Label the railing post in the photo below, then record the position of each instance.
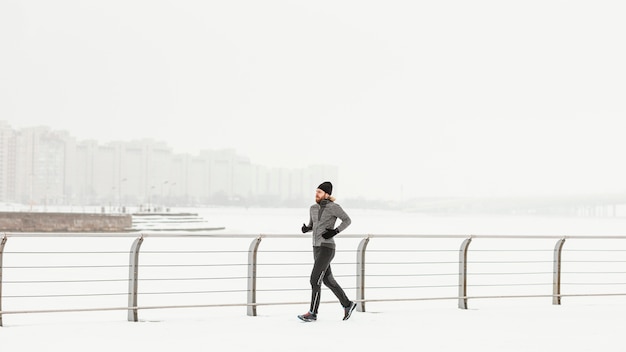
(133, 276)
(556, 273)
(360, 275)
(3, 240)
(252, 262)
(463, 273)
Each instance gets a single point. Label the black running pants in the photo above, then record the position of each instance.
(322, 274)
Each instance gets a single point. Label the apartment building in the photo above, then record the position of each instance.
(39, 166)
(7, 162)
(41, 161)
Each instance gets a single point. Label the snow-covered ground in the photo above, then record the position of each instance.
(390, 326)
(529, 324)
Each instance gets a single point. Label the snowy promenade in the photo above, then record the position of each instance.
(530, 326)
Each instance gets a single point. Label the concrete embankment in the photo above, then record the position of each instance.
(64, 222)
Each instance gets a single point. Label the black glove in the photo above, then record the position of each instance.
(305, 228)
(329, 233)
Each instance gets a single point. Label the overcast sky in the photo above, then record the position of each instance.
(408, 98)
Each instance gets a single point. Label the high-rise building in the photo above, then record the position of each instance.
(7, 162)
(40, 159)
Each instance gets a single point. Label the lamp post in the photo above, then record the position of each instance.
(162, 199)
(120, 193)
(150, 198)
(112, 199)
(169, 194)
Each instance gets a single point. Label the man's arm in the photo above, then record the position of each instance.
(343, 216)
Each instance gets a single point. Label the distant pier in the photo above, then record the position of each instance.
(63, 222)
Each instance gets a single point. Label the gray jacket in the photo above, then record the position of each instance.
(323, 216)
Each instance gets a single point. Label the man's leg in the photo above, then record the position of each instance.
(322, 261)
(331, 283)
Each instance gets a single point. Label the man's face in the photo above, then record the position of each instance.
(319, 195)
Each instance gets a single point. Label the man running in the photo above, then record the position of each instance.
(322, 217)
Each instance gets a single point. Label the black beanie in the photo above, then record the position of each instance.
(326, 187)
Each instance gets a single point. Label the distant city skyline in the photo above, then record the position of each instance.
(43, 166)
(148, 175)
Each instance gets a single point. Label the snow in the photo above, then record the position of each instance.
(521, 324)
(400, 326)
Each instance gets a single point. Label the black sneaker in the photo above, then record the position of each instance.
(308, 317)
(347, 311)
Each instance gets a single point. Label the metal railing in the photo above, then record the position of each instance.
(208, 273)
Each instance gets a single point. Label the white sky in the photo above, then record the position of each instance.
(407, 98)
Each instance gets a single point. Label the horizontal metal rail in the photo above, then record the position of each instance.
(223, 305)
(365, 269)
